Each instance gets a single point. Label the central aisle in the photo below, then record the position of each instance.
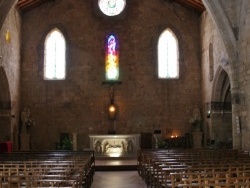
(118, 179)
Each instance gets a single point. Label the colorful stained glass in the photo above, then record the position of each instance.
(112, 59)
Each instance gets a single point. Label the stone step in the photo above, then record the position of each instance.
(116, 164)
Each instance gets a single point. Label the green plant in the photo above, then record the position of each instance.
(161, 144)
(67, 144)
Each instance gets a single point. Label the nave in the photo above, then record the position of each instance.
(182, 168)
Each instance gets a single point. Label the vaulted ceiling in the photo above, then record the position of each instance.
(196, 5)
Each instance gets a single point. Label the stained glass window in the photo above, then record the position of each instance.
(54, 56)
(111, 7)
(168, 55)
(112, 59)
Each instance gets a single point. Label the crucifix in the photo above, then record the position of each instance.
(112, 109)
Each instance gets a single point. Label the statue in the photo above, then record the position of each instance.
(195, 121)
(26, 120)
(197, 113)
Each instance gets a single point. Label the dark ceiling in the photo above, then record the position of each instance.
(196, 5)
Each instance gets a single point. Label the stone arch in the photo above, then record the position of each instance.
(5, 106)
(5, 7)
(221, 107)
(4, 91)
(221, 85)
(221, 20)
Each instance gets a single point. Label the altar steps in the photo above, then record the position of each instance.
(115, 164)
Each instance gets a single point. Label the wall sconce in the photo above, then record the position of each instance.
(208, 109)
(8, 36)
(208, 114)
(112, 108)
(112, 111)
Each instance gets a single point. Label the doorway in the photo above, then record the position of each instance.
(5, 107)
(221, 111)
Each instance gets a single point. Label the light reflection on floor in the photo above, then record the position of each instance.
(114, 162)
(118, 179)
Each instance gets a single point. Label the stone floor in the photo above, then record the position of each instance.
(117, 179)
(115, 161)
(116, 164)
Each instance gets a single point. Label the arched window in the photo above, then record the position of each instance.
(211, 62)
(112, 59)
(54, 56)
(168, 55)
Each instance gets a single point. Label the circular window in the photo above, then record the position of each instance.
(111, 7)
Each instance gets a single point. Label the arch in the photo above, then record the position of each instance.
(55, 55)
(5, 101)
(5, 106)
(220, 19)
(221, 106)
(5, 7)
(168, 55)
(221, 85)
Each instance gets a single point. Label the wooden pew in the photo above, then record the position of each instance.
(73, 169)
(155, 166)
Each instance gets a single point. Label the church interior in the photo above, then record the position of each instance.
(142, 74)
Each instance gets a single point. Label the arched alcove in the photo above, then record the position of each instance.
(5, 106)
(221, 110)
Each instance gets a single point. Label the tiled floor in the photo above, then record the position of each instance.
(118, 179)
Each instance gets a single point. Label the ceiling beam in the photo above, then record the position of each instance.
(196, 5)
(26, 5)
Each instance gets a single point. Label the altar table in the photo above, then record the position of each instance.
(115, 145)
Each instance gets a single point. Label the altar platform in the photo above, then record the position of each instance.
(116, 163)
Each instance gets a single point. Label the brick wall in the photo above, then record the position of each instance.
(79, 103)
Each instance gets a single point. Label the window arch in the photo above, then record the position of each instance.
(211, 62)
(54, 56)
(112, 58)
(168, 55)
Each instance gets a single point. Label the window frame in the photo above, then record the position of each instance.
(45, 53)
(177, 56)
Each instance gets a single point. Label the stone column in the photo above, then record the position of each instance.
(25, 142)
(197, 140)
(74, 141)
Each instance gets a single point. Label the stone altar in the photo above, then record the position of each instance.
(115, 145)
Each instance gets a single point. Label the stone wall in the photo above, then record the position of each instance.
(244, 71)
(10, 77)
(214, 56)
(79, 103)
(237, 13)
